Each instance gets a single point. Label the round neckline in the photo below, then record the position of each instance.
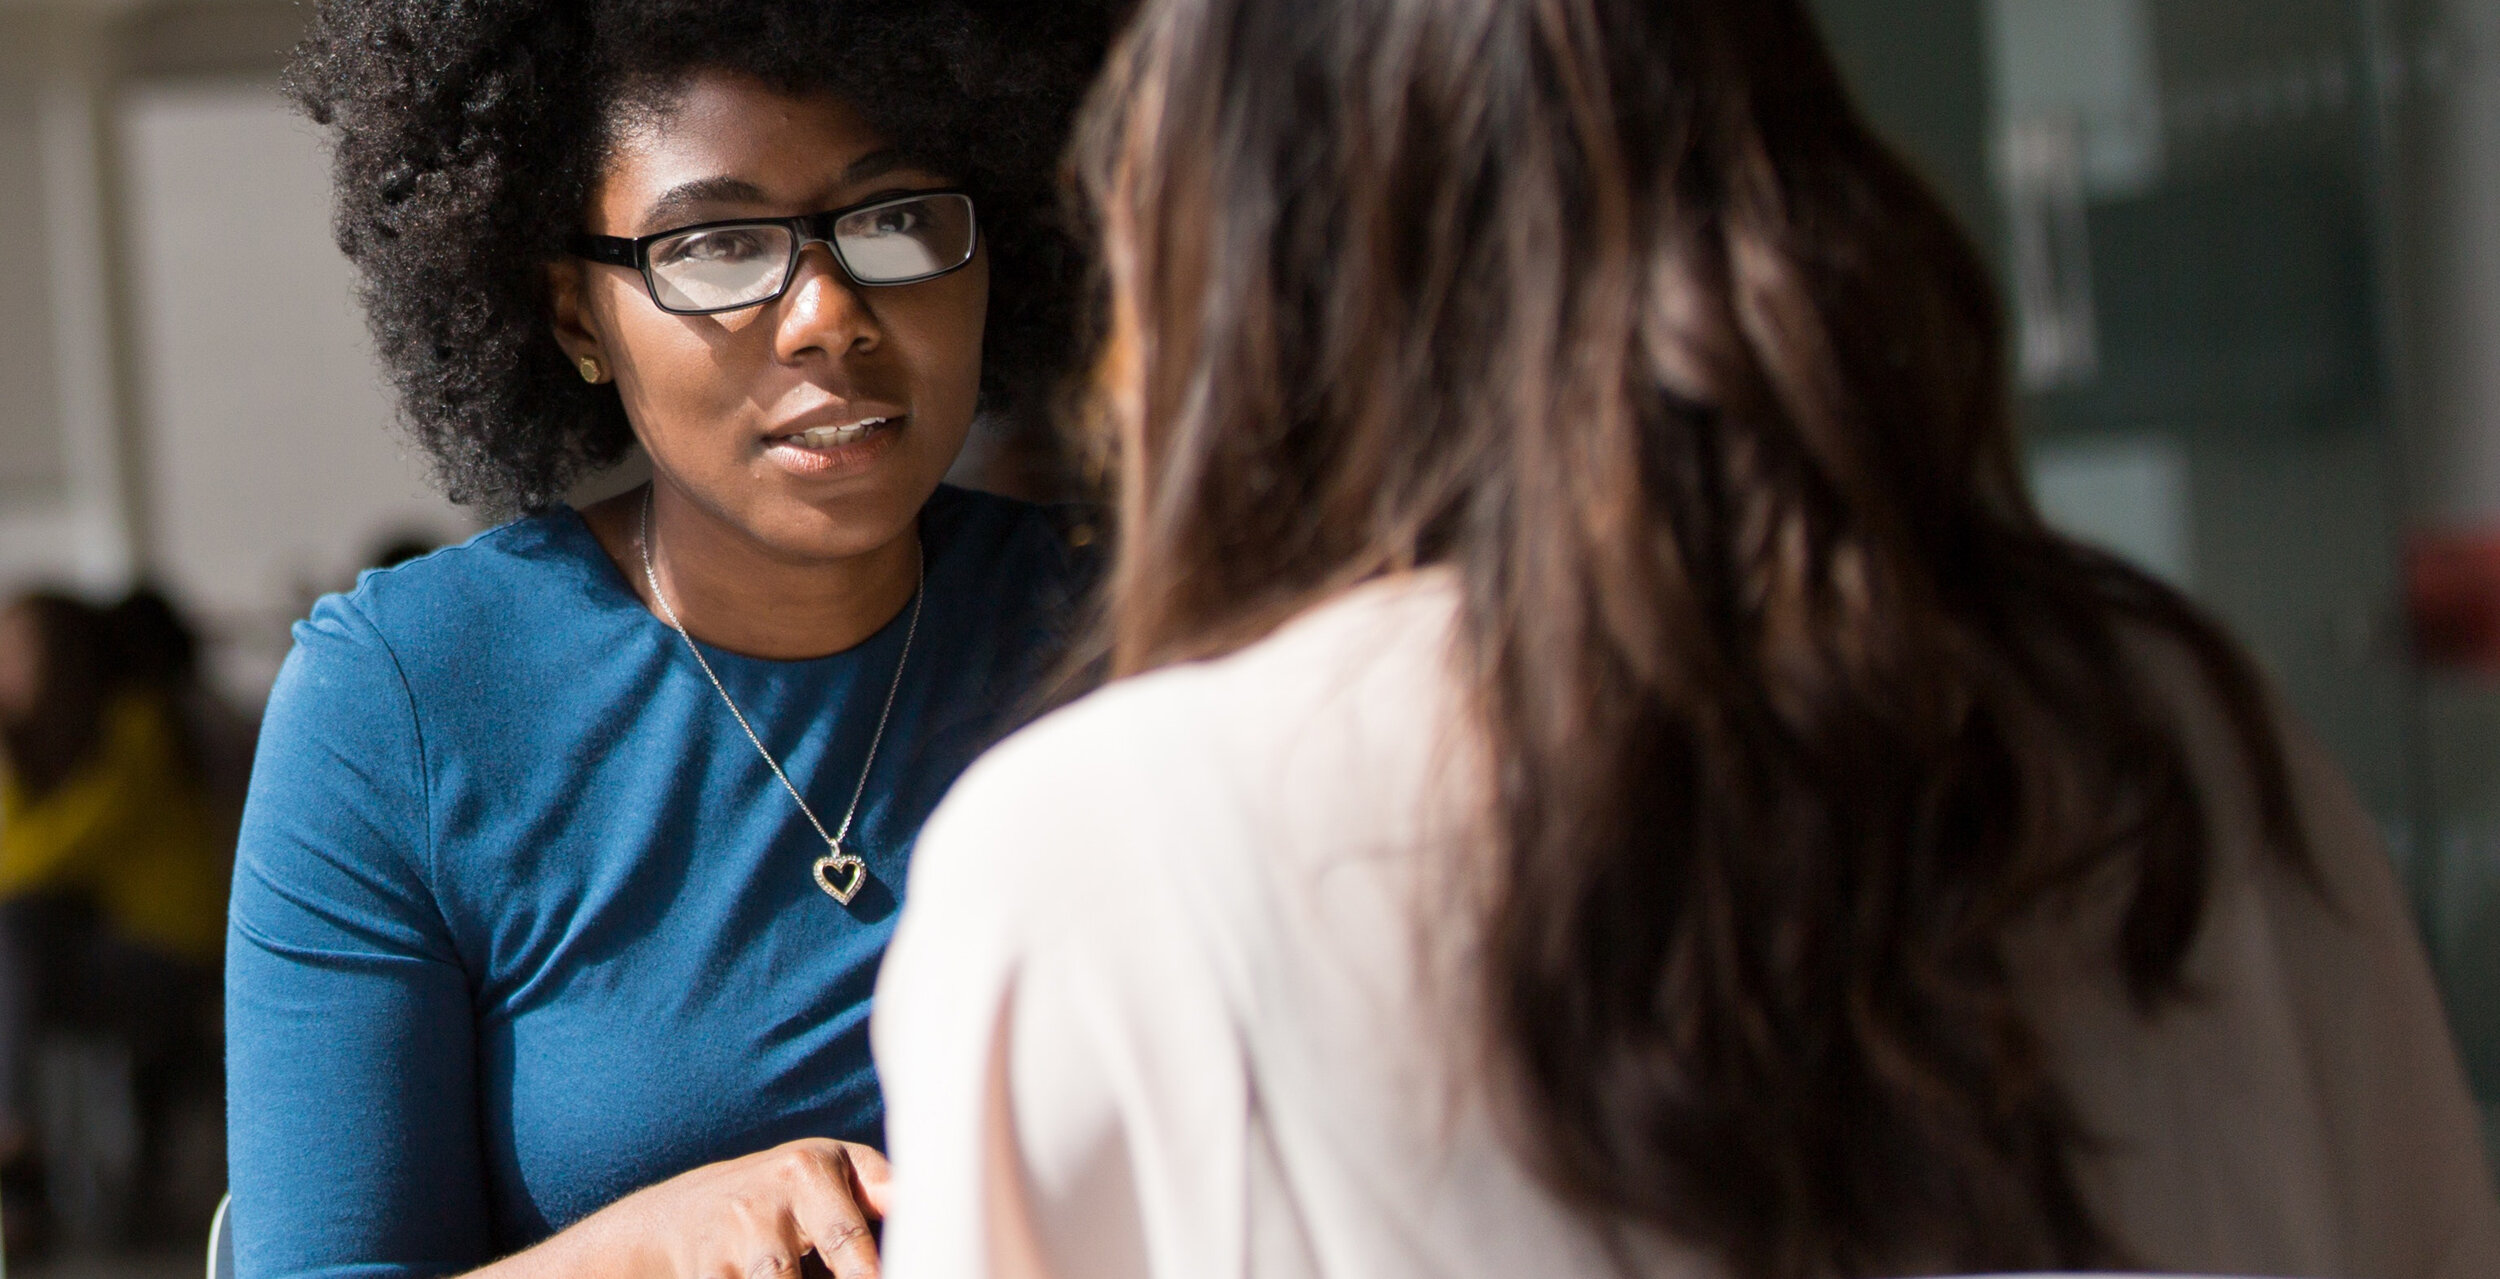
(619, 594)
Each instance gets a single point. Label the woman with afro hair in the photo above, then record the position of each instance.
(572, 852)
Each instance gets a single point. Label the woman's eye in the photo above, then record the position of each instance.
(736, 245)
(900, 220)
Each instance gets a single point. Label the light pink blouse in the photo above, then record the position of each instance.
(1180, 989)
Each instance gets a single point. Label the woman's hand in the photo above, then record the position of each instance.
(759, 1217)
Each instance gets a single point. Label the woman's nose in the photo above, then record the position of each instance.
(824, 310)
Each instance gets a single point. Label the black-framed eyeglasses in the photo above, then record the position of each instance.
(727, 266)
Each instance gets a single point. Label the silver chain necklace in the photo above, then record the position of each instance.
(840, 874)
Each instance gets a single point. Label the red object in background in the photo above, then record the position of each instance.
(2452, 598)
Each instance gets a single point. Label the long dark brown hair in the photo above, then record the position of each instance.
(1798, 711)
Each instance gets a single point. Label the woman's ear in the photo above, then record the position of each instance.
(576, 329)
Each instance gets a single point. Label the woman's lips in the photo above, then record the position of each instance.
(834, 450)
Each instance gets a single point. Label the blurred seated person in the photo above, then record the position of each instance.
(157, 654)
(115, 840)
(1608, 771)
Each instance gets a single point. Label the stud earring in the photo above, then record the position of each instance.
(589, 365)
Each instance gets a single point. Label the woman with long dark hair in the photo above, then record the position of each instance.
(1611, 772)
(571, 852)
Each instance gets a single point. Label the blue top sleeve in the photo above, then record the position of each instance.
(348, 1007)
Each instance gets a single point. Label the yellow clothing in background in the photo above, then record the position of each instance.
(132, 828)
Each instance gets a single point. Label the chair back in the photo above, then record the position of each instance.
(220, 1242)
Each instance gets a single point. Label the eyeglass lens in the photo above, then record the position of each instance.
(905, 240)
(723, 267)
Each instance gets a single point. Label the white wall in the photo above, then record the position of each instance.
(63, 508)
(32, 459)
(271, 466)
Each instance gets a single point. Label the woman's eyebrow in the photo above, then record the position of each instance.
(679, 200)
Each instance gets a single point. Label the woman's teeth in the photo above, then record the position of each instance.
(826, 437)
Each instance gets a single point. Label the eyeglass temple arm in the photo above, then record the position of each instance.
(610, 249)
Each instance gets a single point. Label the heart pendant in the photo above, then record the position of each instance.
(841, 876)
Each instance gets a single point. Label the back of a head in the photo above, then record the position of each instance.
(1618, 308)
(153, 647)
(69, 656)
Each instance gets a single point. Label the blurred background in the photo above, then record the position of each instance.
(2251, 250)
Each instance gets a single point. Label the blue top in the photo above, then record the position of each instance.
(521, 921)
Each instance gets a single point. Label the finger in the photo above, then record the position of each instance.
(829, 1215)
(872, 1178)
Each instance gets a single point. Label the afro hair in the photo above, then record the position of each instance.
(467, 134)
